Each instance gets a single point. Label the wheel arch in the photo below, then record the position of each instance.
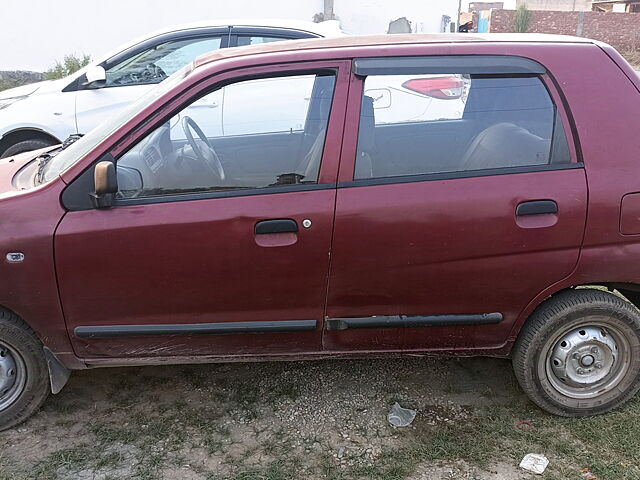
(54, 344)
(629, 291)
(21, 134)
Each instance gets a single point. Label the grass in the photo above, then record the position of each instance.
(135, 437)
(608, 445)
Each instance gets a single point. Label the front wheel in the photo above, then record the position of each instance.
(27, 146)
(24, 378)
(579, 353)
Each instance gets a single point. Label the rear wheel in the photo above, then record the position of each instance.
(579, 353)
(24, 378)
(27, 146)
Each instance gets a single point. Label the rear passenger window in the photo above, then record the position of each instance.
(438, 123)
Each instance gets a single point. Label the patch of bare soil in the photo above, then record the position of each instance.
(318, 419)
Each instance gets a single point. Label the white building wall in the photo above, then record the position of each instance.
(365, 17)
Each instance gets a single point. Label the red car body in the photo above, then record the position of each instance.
(440, 247)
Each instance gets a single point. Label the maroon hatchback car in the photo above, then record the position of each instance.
(472, 194)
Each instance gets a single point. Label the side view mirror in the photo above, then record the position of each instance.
(106, 184)
(95, 77)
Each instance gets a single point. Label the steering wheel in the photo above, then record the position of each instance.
(152, 72)
(203, 149)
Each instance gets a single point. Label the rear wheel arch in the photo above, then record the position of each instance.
(628, 291)
(25, 134)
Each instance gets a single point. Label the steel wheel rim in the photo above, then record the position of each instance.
(587, 360)
(13, 375)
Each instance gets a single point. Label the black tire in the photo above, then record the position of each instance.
(552, 357)
(27, 146)
(16, 338)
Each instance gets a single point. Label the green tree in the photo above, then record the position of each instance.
(70, 64)
(523, 16)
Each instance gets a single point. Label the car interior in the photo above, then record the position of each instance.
(507, 122)
(179, 157)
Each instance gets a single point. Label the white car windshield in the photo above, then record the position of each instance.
(70, 155)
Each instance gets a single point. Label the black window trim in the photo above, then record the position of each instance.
(489, 172)
(211, 194)
(284, 33)
(457, 64)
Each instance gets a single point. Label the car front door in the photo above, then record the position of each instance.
(451, 221)
(133, 72)
(215, 245)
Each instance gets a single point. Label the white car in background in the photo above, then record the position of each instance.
(45, 113)
(423, 98)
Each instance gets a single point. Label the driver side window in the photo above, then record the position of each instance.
(154, 65)
(260, 133)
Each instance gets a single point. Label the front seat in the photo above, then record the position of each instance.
(505, 145)
(366, 143)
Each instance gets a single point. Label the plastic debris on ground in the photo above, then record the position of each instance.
(524, 425)
(533, 462)
(587, 475)
(400, 417)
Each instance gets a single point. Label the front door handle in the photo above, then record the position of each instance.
(536, 207)
(277, 225)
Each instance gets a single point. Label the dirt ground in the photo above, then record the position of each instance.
(312, 420)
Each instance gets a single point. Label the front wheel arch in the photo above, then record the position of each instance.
(16, 136)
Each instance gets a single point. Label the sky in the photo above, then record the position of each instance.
(35, 33)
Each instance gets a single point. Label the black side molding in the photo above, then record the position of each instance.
(408, 321)
(115, 331)
(536, 207)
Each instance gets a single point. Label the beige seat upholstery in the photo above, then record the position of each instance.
(505, 145)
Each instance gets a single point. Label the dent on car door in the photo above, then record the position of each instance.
(452, 220)
(193, 249)
(128, 79)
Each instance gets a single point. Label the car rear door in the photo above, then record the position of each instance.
(189, 264)
(449, 224)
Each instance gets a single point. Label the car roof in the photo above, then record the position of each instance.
(382, 40)
(324, 29)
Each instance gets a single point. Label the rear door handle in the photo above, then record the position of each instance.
(278, 225)
(536, 207)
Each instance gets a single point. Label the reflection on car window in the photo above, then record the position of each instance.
(76, 151)
(421, 124)
(252, 134)
(155, 64)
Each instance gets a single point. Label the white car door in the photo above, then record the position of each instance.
(129, 79)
